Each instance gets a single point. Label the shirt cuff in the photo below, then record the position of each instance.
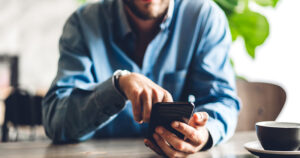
(212, 126)
(209, 143)
(108, 99)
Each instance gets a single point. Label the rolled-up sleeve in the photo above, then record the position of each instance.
(77, 103)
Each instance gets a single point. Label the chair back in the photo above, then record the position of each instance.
(21, 109)
(260, 102)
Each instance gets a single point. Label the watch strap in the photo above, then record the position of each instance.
(117, 74)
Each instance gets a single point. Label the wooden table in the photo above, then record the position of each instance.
(116, 148)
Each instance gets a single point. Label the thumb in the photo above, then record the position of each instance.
(199, 118)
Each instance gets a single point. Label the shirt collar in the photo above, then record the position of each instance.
(168, 18)
(122, 24)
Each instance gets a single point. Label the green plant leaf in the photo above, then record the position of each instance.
(231, 62)
(250, 49)
(81, 1)
(265, 3)
(233, 30)
(252, 26)
(275, 3)
(228, 4)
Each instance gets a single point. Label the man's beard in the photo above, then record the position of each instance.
(140, 14)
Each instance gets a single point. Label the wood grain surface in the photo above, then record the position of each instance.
(117, 148)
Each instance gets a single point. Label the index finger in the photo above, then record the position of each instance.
(167, 97)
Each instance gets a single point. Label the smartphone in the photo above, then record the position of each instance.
(164, 113)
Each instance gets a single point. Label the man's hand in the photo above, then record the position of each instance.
(196, 137)
(142, 93)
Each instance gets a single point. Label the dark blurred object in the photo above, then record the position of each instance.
(21, 109)
(261, 102)
(13, 64)
(8, 79)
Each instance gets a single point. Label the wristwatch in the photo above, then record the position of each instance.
(115, 80)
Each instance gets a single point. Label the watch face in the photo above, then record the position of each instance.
(121, 72)
(117, 72)
(115, 81)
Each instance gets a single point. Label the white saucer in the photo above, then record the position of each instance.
(256, 149)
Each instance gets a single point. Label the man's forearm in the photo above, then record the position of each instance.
(71, 113)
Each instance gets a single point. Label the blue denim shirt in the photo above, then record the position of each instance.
(189, 56)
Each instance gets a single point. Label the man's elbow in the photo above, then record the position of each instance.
(56, 131)
(56, 128)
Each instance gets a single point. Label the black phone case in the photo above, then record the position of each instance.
(164, 113)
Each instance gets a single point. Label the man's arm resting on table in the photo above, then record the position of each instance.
(76, 104)
(75, 114)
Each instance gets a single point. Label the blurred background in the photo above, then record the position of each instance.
(30, 30)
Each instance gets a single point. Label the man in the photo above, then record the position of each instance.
(119, 57)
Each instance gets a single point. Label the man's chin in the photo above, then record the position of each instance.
(146, 14)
